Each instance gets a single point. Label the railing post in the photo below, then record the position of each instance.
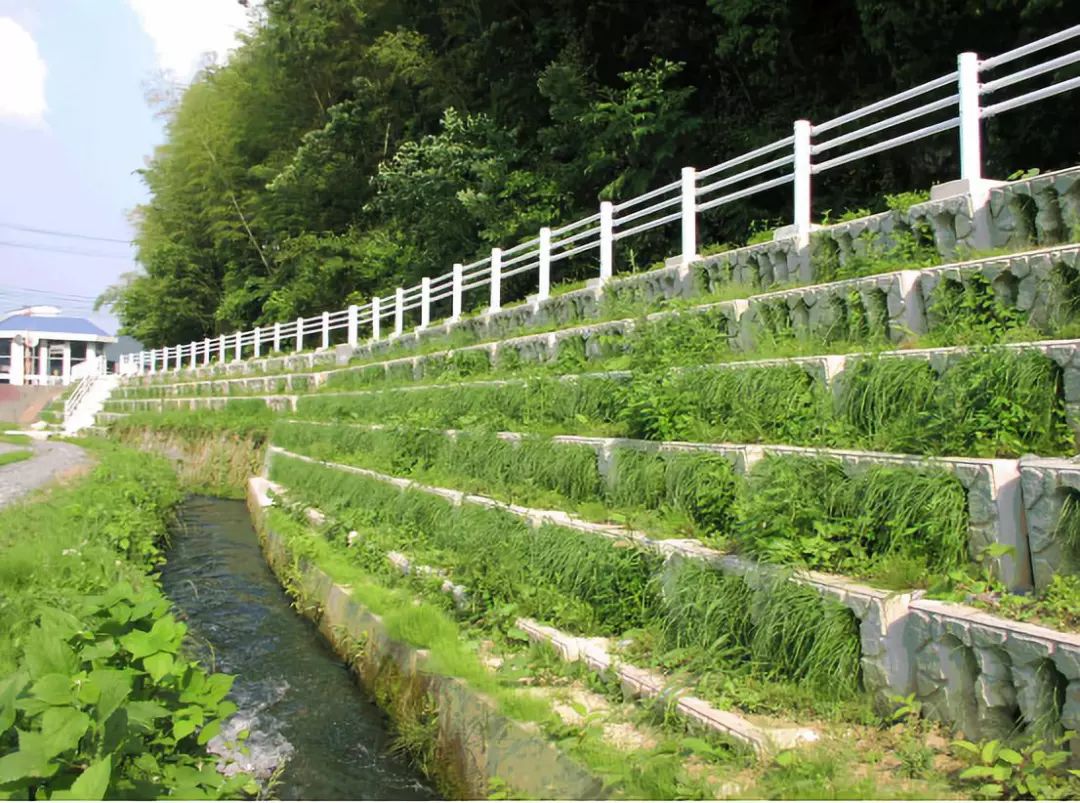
(354, 313)
(239, 347)
(221, 349)
(257, 342)
(376, 318)
(802, 170)
(689, 215)
(277, 336)
(455, 298)
(399, 311)
(607, 240)
(193, 354)
(496, 280)
(153, 361)
(425, 303)
(299, 334)
(206, 351)
(967, 65)
(545, 264)
(325, 330)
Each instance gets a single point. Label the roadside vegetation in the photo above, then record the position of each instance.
(98, 697)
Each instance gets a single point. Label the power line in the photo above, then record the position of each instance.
(12, 290)
(55, 233)
(71, 251)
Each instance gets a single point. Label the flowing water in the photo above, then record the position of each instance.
(295, 696)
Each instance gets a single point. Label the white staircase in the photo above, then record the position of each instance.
(83, 405)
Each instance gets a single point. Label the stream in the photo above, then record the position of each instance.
(295, 696)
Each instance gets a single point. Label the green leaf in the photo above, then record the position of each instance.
(209, 731)
(139, 644)
(977, 772)
(991, 790)
(158, 665)
(106, 648)
(144, 712)
(61, 730)
(182, 728)
(54, 689)
(91, 785)
(114, 686)
(1011, 756)
(988, 751)
(24, 764)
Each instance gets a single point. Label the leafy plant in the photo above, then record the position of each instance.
(1034, 771)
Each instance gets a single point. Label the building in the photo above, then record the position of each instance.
(39, 346)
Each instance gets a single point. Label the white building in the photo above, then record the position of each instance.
(38, 346)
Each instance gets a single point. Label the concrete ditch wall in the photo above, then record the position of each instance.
(475, 742)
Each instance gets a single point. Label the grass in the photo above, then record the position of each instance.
(688, 493)
(989, 403)
(879, 523)
(986, 403)
(15, 456)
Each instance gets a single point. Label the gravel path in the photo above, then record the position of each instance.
(52, 460)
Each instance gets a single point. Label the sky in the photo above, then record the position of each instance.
(75, 128)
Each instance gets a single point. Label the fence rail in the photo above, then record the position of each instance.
(951, 101)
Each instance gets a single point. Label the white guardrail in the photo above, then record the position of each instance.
(955, 100)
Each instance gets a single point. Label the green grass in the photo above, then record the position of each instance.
(890, 523)
(687, 493)
(987, 403)
(776, 630)
(16, 456)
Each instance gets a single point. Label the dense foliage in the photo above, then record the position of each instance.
(97, 696)
(350, 145)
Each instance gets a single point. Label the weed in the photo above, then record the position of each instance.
(1036, 770)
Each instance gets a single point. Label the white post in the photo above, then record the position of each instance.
(299, 334)
(65, 361)
(277, 336)
(257, 341)
(970, 139)
(354, 312)
(496, 280)
(326, 330)
(239, 347)
(221, 348)
(607, 240)
(153, 361)
(689, 215)
(194, 355)
(206, 351)
(459, 283)
(399, 311)
(425, 303)
(376, 318)
(545, 264)
(802, 183)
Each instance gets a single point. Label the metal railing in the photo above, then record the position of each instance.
(955, 100)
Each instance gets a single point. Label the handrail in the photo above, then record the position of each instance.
(783, 161)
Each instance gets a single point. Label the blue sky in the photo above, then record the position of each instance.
(75, 126)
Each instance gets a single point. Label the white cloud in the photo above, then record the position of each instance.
(22, 76)
(183, 31)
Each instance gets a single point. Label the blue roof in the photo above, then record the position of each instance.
(51, 323)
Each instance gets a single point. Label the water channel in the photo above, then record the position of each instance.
(296, 697)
